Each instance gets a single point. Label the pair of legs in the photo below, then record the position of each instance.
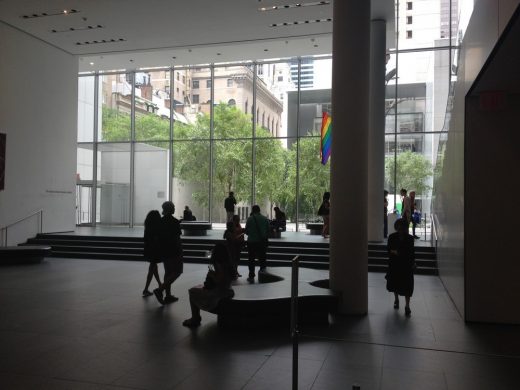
(414, 225)
(195, 319)
(256, 250)
(172, 270)
(229, 216)
(326, 222)
(153, 271)
(407, 303)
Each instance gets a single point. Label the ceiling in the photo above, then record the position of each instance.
(128, 34)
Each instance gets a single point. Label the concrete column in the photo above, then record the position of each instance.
(350, 85)
(376, 130)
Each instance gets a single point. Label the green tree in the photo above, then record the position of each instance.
(115, 125)
(413, 169)
(314, 177)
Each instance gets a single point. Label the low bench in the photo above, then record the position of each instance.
(316, 228)
(267, 304)
(25, 254)
(195, 228)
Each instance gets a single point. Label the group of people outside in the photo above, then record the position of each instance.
(409, 211)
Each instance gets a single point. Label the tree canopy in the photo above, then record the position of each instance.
(413, 169)
(275, 164)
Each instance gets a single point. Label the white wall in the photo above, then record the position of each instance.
(38, 112)
(485, 27)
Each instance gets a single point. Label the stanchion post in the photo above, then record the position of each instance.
(294, 321)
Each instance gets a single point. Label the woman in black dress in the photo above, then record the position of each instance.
(401, 264)
(152, 227)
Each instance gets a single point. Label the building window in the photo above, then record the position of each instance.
(184, 79)
(178, 76)
(195, 84)
(230, 83)
(232, 102)
(177, 90)
(208, 83)
(245, 107)
(408, 20)
(195, 99)
(280, 78)
(409, 5)
(409, 34)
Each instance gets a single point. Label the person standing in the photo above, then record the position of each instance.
(229, 205)
(415, 215)
(406, 212)
(401, 264)
(257, 230)
(171, 252)
(234, 236)
(324, 212)
(152, 229)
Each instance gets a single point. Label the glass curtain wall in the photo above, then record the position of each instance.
(192, 134)
(417, 93)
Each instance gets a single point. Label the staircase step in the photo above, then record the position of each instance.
(279, 253)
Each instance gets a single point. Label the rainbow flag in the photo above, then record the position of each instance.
(326, 137)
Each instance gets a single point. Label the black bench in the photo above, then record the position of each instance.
(195, 228)
(267, 304)
(25, 254)
(316, 228)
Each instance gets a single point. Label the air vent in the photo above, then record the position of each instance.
(296, 5)
(287, 24)
(100, 41)
(63, 12)
(82, 28)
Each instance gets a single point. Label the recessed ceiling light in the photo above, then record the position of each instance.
(55, 12)
(283, 24)
(131, 60)
(218, 54)
(174, 57)
(266, 49)
(91, 63)
(295, 5)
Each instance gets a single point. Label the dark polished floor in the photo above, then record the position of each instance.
(82, 324)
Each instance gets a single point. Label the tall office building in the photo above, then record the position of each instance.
(306, 80)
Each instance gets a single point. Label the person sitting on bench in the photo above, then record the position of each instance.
(279, 222)
(216, 286)
(187, 215)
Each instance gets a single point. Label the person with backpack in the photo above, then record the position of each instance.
(257, 230)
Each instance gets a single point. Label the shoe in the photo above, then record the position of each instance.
(158, 295)
(251, 278)
(170, 299)
(416, 237)
(396, 304)
(147, 293)
(263, 269)
(191, 322)
(407, 312)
